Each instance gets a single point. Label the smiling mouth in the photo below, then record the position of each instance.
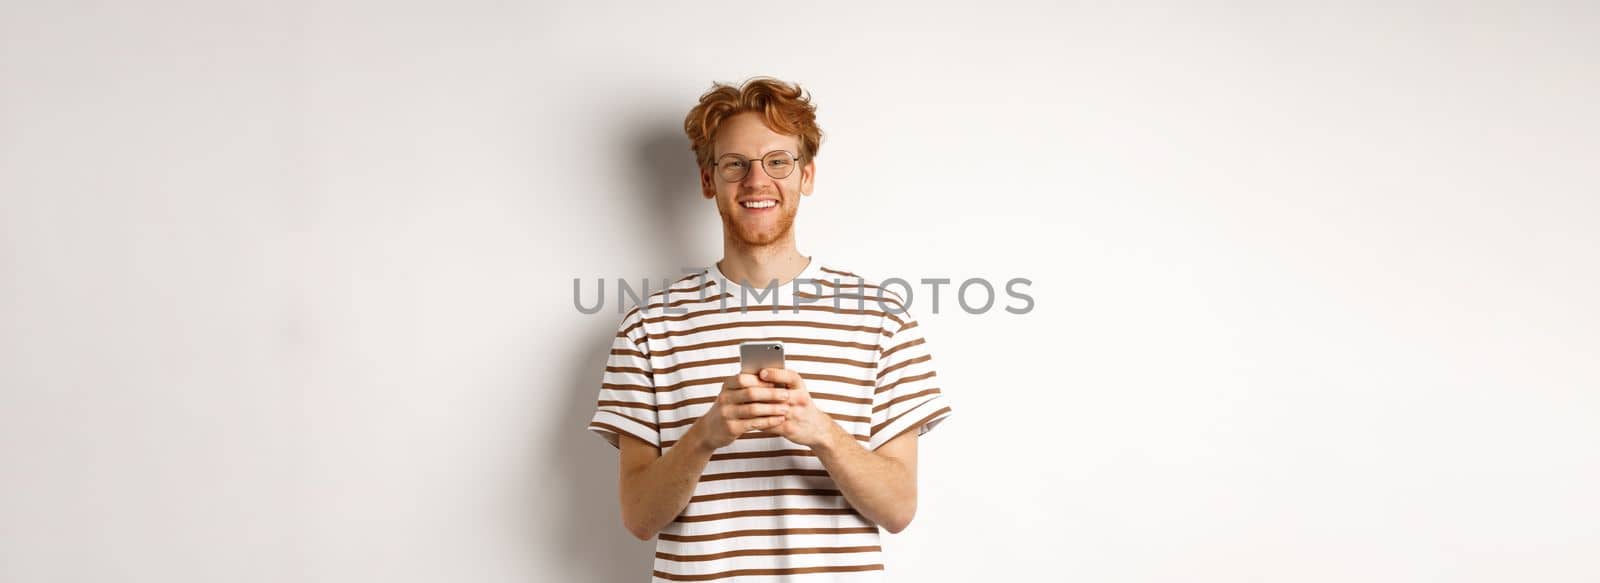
(759, 204)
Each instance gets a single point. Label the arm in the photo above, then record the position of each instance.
(881, 484)
(656, 488)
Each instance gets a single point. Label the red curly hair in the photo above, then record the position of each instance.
(784, 107)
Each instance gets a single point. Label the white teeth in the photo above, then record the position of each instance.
(760, 204)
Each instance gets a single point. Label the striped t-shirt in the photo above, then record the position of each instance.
(765, 508)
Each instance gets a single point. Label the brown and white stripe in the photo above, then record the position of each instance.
(765, 509)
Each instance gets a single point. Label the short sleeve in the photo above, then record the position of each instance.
(907, 396)
(627, 400)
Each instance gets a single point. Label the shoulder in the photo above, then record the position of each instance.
(837, 276)
(652, 307)
(850, 283)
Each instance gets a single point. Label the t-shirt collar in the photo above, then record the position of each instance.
(813, 270)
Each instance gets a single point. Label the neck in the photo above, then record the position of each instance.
(759, 265)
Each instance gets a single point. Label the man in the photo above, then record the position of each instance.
(788, 474)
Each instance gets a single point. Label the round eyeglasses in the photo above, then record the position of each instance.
(778, 164)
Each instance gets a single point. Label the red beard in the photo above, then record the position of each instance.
(759, 230)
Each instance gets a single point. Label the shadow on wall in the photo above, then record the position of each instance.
(587, 517)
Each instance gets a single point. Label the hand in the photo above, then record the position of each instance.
(804, 423)
(745, 403)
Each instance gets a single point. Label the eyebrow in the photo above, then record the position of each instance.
(758, 155)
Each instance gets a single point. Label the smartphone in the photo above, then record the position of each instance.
(754, 356)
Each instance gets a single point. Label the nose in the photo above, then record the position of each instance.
(756, 175)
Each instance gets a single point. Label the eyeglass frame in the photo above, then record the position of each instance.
(716, 164)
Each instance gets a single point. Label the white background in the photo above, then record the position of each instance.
(286, 288)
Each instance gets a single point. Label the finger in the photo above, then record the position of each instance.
(753, 410)
(761, 394)
(743, 381)
(782, 376)
(765, 422)
(747, 380)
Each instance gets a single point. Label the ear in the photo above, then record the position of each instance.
(808, 176)
(708, 188)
